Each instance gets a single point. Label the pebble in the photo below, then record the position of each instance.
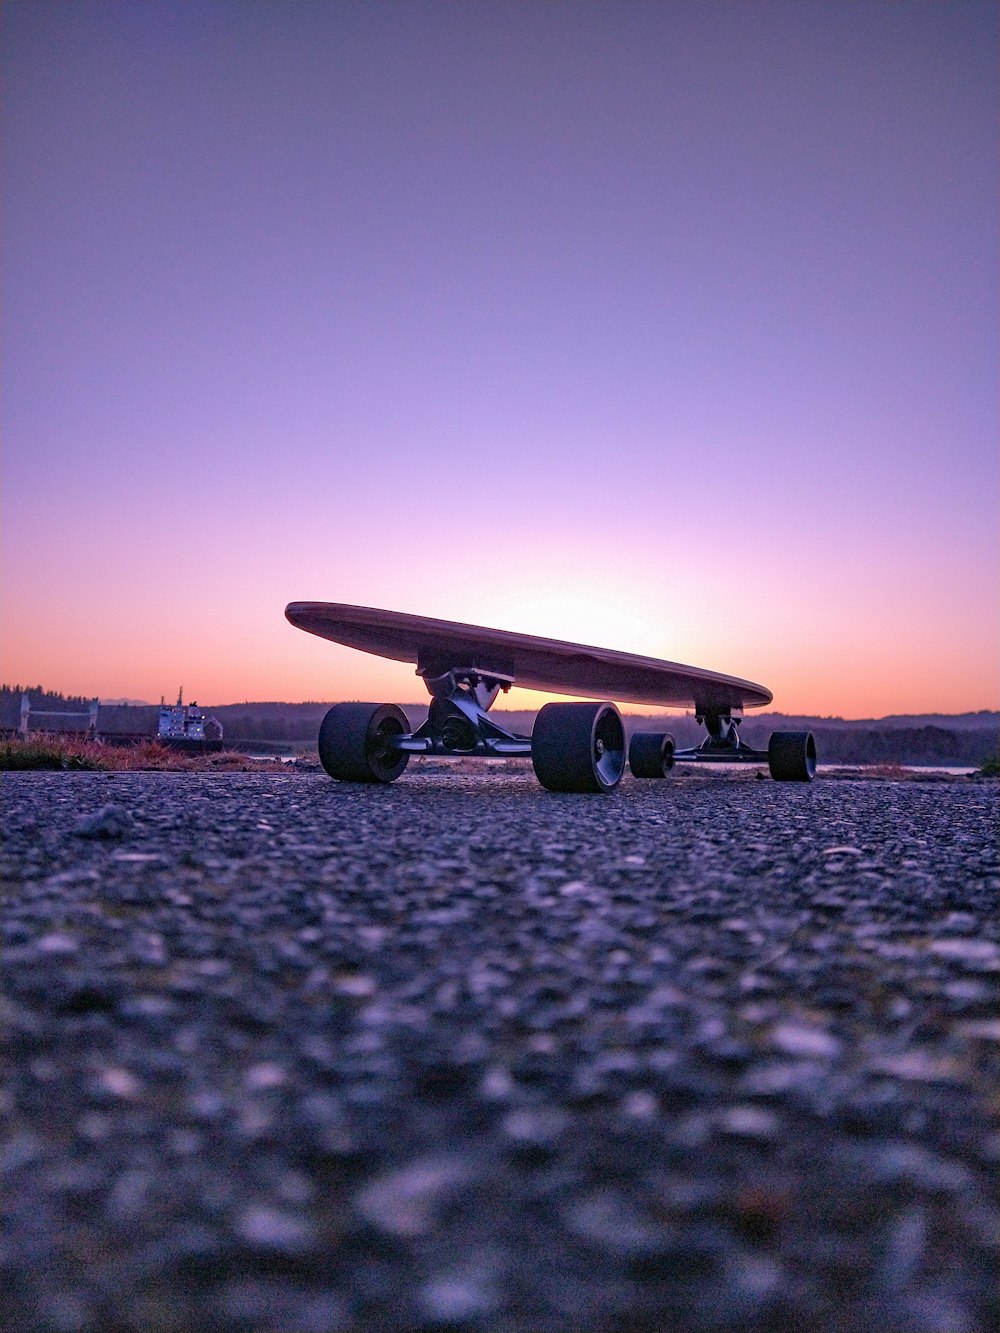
(965, 950)
(988, 1030)
(460, 1298)
(119, 1083)
(263, 1076)
(753, 1122)
(608, 1221)
(920, 1168)
(535, 1126)
(57, 943)
(916, 1066)
(799, 1039)
(403, 1203)
(269, 1228)
(109, 822)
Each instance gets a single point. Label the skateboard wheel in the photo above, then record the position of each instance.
(578, 747)
(651, 754)
(791, 756)
(352, 742)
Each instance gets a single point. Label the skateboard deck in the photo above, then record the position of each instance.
(528, 661)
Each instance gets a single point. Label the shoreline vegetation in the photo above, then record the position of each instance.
(42, 753)
(72, 753)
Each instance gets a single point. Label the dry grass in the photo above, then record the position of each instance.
(73, 752)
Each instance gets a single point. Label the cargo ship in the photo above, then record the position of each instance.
(185, 727)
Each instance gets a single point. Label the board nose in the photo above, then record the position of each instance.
(295, 611)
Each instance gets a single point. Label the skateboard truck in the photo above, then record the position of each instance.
(457, 721)
(790, 755)
(722, 745)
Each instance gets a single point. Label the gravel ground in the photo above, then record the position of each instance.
(462, 1054)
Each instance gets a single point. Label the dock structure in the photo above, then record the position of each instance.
(74, 723)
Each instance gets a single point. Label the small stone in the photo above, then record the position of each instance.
(184, 1142)
(57, 942)
(457, 1298)
(129, 1198)
(354, 984)
(496, 1085)
(212, 967)
(910, 1164)
(608, 1221)
(775, 1080)
(111, 821)
(150, 1006)
(803, 1040)
(279, 1303)
(965, 950)
(640, 1105)
(19, 1151)
(916, 1067)
(536, 1127)
(206, 1104)
(755, 1277)
(254, 1121)
(904, 1248)
(960, 922)
(967, 993)
(94, 1126)
(987, 1030)
(269, 1228)
(749, 1122)
(260, 1077)
(403, 1203)
(119, 1083)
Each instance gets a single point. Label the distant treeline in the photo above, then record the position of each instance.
(269, 721)
(965, 740)
(44, 699)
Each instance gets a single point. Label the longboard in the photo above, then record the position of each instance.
(529, 661)
(574, 747)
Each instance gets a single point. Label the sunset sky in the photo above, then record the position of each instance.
(666, 326)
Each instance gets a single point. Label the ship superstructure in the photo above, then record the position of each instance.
(183, 725)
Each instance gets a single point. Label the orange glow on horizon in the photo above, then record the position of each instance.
(848, 630)
(257, 657)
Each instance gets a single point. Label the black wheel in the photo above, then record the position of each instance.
(650, 754)
(352, 742)
(791, 756)
(578, 747)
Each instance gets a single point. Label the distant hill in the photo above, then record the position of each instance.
(950, 721)
(966, 739)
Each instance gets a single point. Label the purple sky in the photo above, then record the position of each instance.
(668, 326)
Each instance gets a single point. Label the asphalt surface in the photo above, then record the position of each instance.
(705, 1054)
